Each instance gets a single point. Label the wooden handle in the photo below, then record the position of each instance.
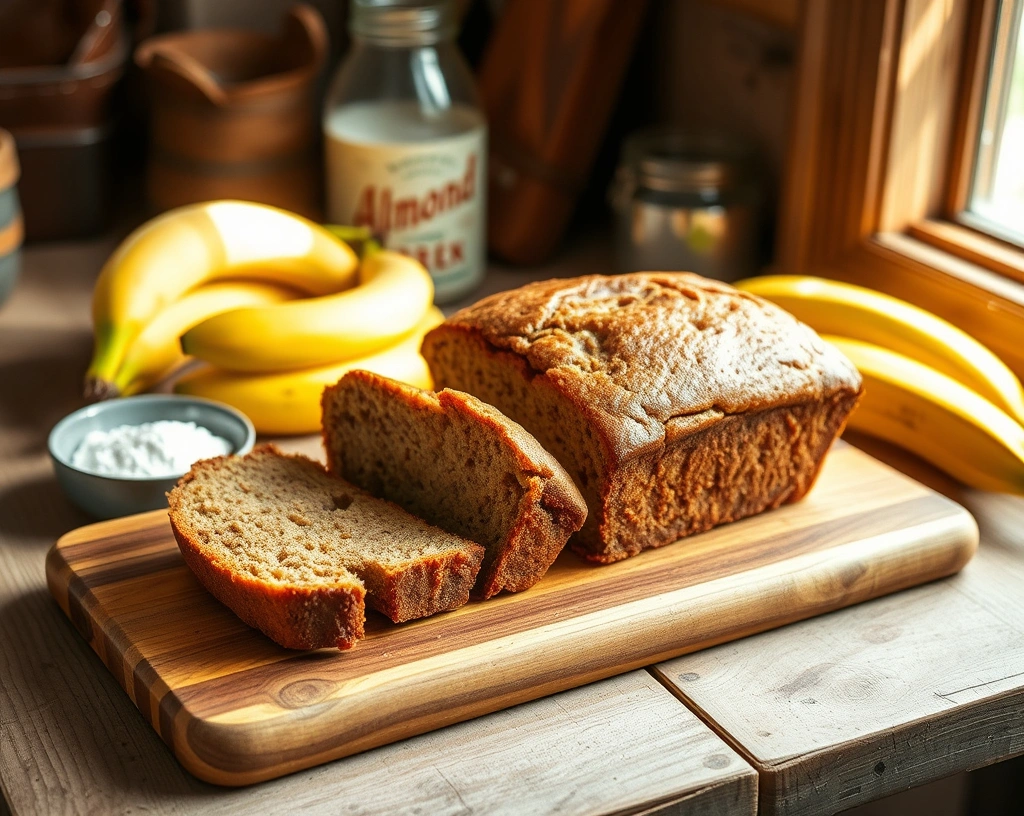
(305, 31)
(184, 72)
(101, 35)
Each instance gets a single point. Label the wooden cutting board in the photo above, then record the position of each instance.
(235, 708)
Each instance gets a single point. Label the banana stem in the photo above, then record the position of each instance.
(97, 389)
(111, 346)
(366, 243)
(348, 233)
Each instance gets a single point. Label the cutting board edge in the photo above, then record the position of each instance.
(952, 544)
(104, 637)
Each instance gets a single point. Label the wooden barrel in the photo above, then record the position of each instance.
(234, 114)
(61, 65)
(11, 231)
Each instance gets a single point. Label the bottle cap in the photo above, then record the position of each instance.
(402, 23)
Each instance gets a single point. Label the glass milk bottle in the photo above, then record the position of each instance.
(406, 141)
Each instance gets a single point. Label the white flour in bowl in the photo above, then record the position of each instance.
(163, 448)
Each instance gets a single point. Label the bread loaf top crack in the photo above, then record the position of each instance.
(639, 350)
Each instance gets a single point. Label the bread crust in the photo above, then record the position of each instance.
(423, 587)
(294, 617)
(615, 375)
(549, 510)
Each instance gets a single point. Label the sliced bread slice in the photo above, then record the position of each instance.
(458, 463)
(296, 552)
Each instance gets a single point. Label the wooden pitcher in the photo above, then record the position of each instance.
(234, 114)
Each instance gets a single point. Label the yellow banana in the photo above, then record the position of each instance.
(156, 350)
(393, 294)
(189, 246)
(832, 307)
(918, 408)
(289, 402)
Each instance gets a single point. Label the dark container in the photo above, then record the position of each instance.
(59, 69)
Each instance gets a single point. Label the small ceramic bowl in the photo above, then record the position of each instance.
(111, 496)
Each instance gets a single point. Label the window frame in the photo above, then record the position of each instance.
(887, 100)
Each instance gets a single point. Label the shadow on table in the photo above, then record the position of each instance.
(103, 740)
(37, 389)
(36, 510)
(998, 515)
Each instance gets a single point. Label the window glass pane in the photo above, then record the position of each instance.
(997, 194)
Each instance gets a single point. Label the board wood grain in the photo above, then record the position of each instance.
(235, 708)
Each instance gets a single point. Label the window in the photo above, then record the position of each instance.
(997, 190)
(905, 166)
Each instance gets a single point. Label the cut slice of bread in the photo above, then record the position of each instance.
(294, 551)
(460, 464)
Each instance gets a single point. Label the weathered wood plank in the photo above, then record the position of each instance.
(884, 696)
(602, 748)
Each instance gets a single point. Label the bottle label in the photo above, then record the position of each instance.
(424, 199)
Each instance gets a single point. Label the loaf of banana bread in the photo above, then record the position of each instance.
(676, 403)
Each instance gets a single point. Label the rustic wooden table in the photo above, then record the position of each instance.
(812, 718)
(852, 706)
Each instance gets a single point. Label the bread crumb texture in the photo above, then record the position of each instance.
(675, 402)
(296, 552)
(460, 464)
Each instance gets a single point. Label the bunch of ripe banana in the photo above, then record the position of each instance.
(928, 386)
(279, 306)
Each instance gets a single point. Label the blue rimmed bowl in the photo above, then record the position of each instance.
(106, 497)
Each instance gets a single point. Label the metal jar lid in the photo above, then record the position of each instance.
(403, 23)
(676, 161)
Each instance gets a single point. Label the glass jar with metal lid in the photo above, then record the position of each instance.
(687, 202)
